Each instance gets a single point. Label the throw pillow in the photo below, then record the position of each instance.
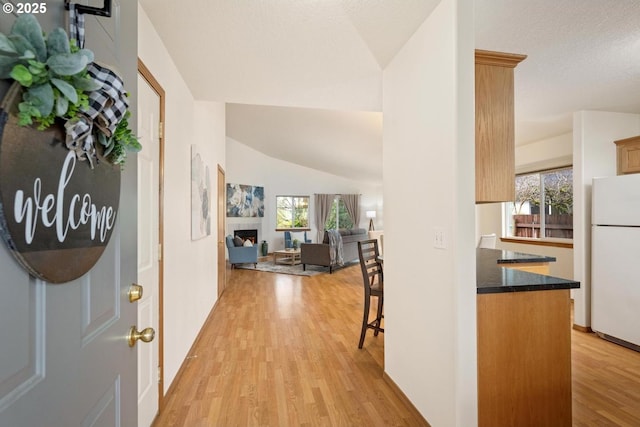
(237, 241)
(247, 243)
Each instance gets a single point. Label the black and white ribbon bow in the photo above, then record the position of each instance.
(107, 105)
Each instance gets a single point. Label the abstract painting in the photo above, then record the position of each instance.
(245, 200)
(200, 196)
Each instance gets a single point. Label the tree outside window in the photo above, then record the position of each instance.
(292, 212)
(338, 217)
(543, 206)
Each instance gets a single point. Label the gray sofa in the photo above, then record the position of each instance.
(318, 253)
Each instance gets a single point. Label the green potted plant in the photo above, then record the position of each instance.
(296, 243)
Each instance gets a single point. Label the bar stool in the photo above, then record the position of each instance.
(373, 281)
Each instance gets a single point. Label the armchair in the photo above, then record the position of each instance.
(241, 254)
(288, 241)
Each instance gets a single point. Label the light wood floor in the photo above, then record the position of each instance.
(281, 350)
(605, 382)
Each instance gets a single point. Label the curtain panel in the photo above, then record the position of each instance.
(352, 204)
(322, 209)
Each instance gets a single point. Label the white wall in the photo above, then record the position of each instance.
(594, 155)
(185, 262)
(544, 154)
(547, 153)
(279, 178)
(428, 168)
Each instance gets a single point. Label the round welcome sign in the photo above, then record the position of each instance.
(56, 212)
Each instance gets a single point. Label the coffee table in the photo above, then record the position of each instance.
(287, 256)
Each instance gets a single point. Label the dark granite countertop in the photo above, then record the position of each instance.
(492, 278)
(510, 257)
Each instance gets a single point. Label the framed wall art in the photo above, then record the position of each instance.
(200, 196)
(245, 201)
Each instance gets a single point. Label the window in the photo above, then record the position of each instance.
(338, 217)
(543, 207)
(292, 212)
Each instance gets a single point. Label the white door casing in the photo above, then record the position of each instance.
(64, 357)
(148, 248)
(221, 213)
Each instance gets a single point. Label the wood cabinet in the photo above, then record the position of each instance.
(628, 154)
(524, 359)
(495, 135)
(531, 267)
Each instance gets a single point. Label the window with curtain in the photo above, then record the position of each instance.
(292, 212)
(543, 207)
(338, 217)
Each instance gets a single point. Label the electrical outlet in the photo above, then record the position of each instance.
(439, 238)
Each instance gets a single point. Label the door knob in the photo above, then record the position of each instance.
(146, 335)
(135, 292)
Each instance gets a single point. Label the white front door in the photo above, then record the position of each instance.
(148, 248)
(64, 356)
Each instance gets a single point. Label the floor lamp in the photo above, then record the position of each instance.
(371, 215)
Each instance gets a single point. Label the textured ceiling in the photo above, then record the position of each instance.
(311, 53)
(265, 57)
(582, 55)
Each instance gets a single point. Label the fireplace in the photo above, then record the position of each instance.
(247, 234)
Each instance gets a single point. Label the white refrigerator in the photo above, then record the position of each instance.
(615, 259)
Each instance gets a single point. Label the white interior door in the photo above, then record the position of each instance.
(64, 356)
(148, 248)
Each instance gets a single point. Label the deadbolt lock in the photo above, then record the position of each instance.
(135, 292)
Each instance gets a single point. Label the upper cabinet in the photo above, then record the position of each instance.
(628, 153)
(495, 136)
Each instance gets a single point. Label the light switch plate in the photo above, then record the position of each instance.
(439, 238)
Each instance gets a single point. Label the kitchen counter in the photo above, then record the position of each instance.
(524, 342)
(511, 257)
(491, 277)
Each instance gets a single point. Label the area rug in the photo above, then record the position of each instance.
(270, 267)
(297, 270)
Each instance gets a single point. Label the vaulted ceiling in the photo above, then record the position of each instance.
(303, 79)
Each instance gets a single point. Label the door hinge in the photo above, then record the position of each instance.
(159, 252)
(159, 374)
(159, 130)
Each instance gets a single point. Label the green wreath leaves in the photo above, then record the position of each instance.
(120, 142)
(52, 70)
(53, 73)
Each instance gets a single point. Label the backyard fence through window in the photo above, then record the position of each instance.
(543, 206)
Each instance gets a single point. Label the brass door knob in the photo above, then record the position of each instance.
(146, 335)
(135, 292)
